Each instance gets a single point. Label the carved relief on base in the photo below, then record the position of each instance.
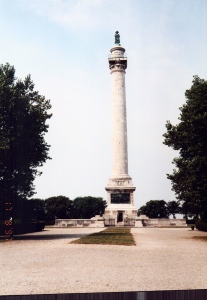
(120, 182)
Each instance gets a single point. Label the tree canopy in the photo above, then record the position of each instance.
(59, 207)
(62, 207)
(88, 207)
(26, 211)
(189, 137)
(23, 117)
(154, 209)
(173, 208)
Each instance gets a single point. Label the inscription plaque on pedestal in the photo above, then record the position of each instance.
(120, 198)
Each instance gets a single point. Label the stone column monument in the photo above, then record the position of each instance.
(120, 199)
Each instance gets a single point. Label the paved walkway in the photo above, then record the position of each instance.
(46, 263)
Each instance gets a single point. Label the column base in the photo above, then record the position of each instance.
(120, 200)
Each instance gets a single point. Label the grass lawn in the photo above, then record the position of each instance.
(109, 236)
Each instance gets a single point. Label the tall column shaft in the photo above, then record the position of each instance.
(119, 124)
(120, 198)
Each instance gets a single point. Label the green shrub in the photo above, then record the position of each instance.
(201, 225)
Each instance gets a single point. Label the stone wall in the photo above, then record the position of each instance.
(79, 222)
(139, 222)
(164, 222)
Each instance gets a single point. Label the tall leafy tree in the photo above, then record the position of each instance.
(27, 211)
(59, 207)
(88, 207)
(173, 208)
(189, 137)
(35, 209)
(23, 124)
(154, 209)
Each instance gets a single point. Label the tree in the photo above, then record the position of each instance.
(23, 117)
(88, 207)
(59, 207)
(27, 211)
(154, 209)
(35, 208)
(189, 137)
(173, 208)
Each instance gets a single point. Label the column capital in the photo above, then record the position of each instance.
(117, 67)
(117, 58)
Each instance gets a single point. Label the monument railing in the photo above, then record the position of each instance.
(109, 222)
(129, 222)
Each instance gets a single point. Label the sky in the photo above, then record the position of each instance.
(64, 45)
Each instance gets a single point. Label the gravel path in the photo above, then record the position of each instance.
(45, 262)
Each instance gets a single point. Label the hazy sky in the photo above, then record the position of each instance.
(64, 45)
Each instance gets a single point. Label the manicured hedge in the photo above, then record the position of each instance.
(201, 226)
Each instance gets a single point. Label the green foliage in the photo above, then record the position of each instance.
(189, 209)
(154, 209)
(23, 116)
(110, 236)
(189, 137)
(59, 207)
(88, 207)
(201, 226)
(27, 227)
(28, 210)
(36, 209)
(173, 208)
